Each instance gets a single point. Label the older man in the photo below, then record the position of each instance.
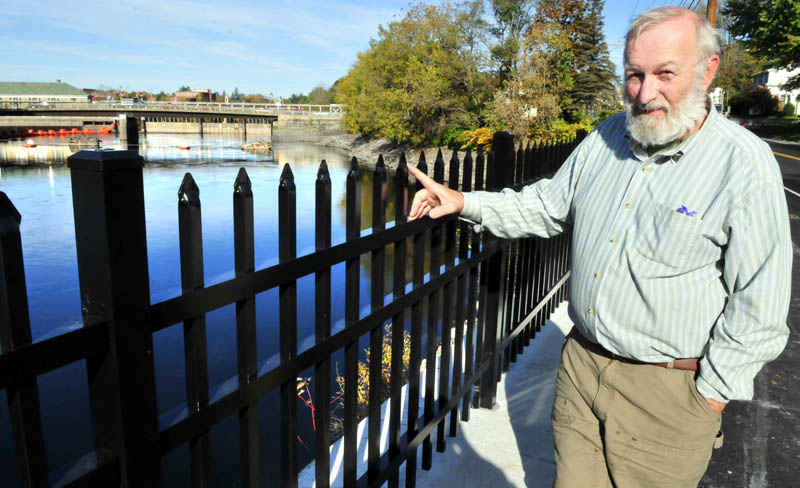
(681, 263)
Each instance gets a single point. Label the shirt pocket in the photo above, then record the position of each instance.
(669, 237)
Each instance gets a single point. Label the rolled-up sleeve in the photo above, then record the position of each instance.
(757, 272)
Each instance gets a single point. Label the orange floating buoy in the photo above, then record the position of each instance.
(31, 131)
(41, 132)
(51, 132)
(29, 143)
(184, 148)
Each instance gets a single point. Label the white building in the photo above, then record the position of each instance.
(773, 80)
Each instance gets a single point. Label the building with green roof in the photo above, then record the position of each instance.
(26, 91)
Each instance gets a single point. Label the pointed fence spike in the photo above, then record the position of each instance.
(401, 189)
(286, 173)
(7, 209)
(189, 193)
(402, 163)
(322, 173)
(380, 163)
(438, 168)
(454, 168)
(422, 159)
(466, 176)
(353, 164)
(242, 185)
(287, 178)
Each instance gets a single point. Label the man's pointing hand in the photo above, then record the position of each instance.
(435, 200)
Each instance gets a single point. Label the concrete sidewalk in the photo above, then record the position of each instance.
(510, 445)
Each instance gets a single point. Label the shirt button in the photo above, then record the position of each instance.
(613, 240)
(628, 205)
(644, 170)
(597, 275)
(591, 311)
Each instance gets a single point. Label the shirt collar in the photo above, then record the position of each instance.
(672, 153)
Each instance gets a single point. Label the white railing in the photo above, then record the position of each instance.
(250, 108)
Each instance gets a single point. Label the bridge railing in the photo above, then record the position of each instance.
(480, 302)
(270, 108)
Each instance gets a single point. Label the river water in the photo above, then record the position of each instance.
(42, 194)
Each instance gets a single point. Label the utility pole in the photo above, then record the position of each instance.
(711, 13)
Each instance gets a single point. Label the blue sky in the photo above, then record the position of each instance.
(258, 46)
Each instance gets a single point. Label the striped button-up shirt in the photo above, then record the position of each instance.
(685, 253)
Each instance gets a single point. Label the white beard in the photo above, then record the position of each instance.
(649, 131)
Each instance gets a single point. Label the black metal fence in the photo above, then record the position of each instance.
(492, 295)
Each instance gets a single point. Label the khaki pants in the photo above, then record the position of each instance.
(628, 425)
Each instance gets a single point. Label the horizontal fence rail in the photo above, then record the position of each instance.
(470, 305)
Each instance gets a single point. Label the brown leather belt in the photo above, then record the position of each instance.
(686, 364)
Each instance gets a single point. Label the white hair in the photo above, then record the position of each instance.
(707, 37)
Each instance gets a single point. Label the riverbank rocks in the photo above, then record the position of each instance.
(258, 147)
(367, 150)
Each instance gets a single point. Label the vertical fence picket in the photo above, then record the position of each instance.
(417, 277)
(244, 259)
(538, 262)
(351, 312)
(15, 332)
(431, 337)
(376, 334)
(480, 313)
(287, 250)
(448, 303)
(322, 328)
(520, 281)
(492, 277)
(398, 321)
(461, 295)
(468, 245)
(528, 253)
(111, 245)
(190, 235)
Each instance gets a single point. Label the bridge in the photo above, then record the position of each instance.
(16, 118)
(174, 109)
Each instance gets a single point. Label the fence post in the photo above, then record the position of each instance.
(15, 332)
(499, 173)
(108, 204)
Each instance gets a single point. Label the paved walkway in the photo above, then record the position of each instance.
(511, 446)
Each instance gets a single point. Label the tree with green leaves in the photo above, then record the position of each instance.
(735, 69)
(533, 98)
(770, 29)
(416, 81)
(511, 19)
(319, 95)
(592, 71)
